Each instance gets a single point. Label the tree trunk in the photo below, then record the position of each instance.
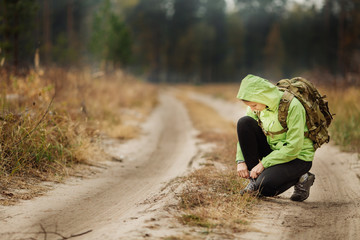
(47, 31)
(70, 23)
(341, 38)
(16, 38)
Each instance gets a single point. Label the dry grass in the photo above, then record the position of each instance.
(114, 102)
(345, 129)
(211, 200)
(344, 102)
(51, 122)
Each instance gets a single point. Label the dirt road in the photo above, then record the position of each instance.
(111, 204)
(108, 205)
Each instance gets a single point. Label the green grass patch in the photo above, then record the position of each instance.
(193, 220)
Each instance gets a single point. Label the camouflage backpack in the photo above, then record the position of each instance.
(318, 116)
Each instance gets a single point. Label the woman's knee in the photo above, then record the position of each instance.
(245, 123)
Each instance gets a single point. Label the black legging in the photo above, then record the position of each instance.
(275, 179)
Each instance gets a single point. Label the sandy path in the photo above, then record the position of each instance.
(109, 203)
(115, 203)
(331, 212)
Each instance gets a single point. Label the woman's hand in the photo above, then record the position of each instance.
(255, 172)
(242, 170)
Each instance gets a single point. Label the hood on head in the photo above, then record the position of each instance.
(260, 90)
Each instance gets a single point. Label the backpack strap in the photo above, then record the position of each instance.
(284, 108)
(282, 114)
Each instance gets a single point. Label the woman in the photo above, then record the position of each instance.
(273, 163)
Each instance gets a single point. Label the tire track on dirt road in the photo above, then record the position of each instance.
(107, 203)
(331, 212)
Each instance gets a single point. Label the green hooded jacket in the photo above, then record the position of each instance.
(286, 146)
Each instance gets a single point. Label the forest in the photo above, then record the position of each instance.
(191, 41)
(118, 117)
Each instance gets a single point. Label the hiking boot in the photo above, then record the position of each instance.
(302, 187)
(250, 188)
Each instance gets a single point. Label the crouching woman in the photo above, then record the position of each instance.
(272, 162)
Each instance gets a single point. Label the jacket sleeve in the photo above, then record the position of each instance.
(290, 148)
(239, 155)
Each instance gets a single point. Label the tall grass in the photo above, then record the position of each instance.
(345, 129)
(51, 121)
(36, 145)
